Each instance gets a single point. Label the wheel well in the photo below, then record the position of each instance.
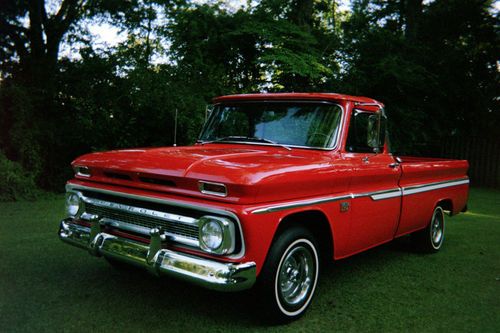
(447, 205)
(316, 222)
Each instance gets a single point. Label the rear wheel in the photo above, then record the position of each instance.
(289, 277)
(431, 238)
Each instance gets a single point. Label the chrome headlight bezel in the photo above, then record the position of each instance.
(74, 205)
(227, 244)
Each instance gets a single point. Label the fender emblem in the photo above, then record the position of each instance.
(344, 206)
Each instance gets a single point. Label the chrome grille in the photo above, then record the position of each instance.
(149, 222)
(138, 214)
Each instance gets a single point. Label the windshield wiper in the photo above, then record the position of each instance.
(226, 138)
(271, 142)
(245, 138)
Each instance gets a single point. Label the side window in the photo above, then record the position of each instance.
(366, 133)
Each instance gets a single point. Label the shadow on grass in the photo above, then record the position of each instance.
(174, 298)
(131, 291)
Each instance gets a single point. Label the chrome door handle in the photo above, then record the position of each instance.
(393, 165)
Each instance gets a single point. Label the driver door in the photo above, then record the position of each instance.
(375, 212)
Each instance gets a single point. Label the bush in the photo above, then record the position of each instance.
(15, 182)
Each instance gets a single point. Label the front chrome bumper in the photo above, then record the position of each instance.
(206, 273)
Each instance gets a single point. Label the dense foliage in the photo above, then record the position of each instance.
(434, 64)
(15, 182)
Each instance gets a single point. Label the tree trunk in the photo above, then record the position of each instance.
(302, 13)
(412, 14)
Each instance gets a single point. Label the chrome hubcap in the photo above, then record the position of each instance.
(437, 228)
(296, 275)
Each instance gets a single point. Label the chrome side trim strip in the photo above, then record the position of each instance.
(377, 195)
(433, 186)
(70, 187)
(298, 204)
(381, 195)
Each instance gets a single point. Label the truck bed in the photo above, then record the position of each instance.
(427, 182)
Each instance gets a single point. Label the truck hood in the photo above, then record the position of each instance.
(251, 173)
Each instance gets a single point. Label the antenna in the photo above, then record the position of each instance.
(175, 129)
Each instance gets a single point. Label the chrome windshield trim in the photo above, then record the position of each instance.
(71, 187)
(334, 145)
(262, 144)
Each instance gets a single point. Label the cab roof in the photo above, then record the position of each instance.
(296, 96)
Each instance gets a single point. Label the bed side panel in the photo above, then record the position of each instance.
(427, 182)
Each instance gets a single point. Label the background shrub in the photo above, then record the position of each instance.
(15, 183)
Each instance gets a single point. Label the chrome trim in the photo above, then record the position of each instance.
(386, 194)
(141, 211)
(298, 204)
(201, 186)
(228, 239)
(78, 171)
(178, 219)
(145, 231)
(159, 261)
(336, 144)
(377, 195)
(72, 187)
(81, 204)
(433, 186)
(265, 144)
(369, 104)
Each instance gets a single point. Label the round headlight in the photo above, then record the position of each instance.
(212, 234)
(72, 204)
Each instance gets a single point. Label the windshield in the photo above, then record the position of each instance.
(302, 124)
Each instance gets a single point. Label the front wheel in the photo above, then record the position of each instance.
(431, 238)
(289, 278)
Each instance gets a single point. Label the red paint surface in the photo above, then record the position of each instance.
(259, 176)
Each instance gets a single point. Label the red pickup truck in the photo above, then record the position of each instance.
(276, 185)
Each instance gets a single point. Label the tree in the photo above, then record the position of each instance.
(432, 64)
(37, 43)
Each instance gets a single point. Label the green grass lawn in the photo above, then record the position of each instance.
(46, 285)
